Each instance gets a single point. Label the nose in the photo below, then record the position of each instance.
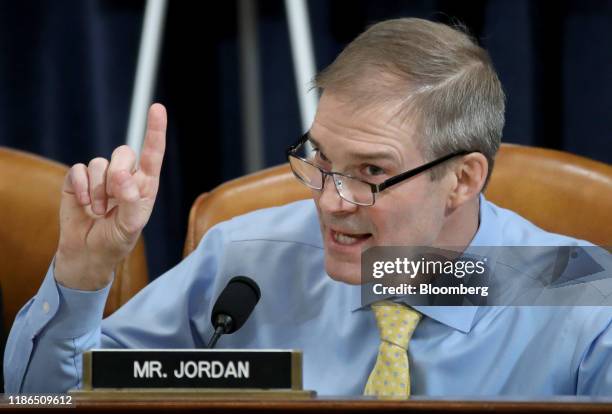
(329, 199)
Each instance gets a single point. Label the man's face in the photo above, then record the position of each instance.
(371, 145)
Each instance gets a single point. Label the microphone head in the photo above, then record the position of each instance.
(237, 301)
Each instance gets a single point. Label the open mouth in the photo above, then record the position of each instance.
(348, 239)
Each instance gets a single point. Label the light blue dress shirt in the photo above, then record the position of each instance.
(455, 351)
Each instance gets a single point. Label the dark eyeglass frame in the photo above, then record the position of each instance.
(376, 188)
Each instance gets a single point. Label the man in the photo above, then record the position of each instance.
(405, 94)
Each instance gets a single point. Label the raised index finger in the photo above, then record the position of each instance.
(155, 141)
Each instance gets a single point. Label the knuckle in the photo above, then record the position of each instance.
(98, 162)
(123, 149)
(76, 171)
(130, 196)
(124, 152)
(76, 176)
(127, 191)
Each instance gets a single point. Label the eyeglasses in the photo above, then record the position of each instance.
(351, 189)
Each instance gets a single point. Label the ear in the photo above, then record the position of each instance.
(470, 174)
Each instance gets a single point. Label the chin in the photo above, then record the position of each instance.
(345, 272)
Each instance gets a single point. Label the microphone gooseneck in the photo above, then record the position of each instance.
(222, 326)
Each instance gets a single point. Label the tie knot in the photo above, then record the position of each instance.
(396, 322)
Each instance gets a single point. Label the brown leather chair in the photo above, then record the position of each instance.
(30, 191)
(558, 191)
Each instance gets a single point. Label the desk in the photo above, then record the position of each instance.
(339, 405)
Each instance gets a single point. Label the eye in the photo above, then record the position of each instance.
(319, 156)
(374, 170)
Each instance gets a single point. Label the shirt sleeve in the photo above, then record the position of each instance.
(48, 336)
(50, 333)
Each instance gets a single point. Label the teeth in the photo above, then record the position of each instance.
(344, 239)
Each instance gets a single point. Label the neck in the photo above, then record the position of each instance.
(461, 225)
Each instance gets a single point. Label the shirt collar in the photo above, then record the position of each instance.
(456, 317)
(488, 233)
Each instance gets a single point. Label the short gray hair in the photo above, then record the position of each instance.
(438, 77)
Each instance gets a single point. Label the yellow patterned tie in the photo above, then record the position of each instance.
(391, 376)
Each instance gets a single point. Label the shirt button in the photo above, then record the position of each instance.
(46, 307)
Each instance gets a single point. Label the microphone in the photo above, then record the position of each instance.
(233, 306)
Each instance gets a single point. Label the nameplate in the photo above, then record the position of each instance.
(198, 368)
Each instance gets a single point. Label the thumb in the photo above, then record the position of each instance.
(132, 212)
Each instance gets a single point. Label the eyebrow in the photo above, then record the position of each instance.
(370, 156)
